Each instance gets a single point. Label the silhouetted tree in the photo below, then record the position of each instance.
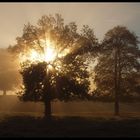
(66, 78)
(118, 64)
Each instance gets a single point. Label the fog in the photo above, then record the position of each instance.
(10, 78)
(12, 105)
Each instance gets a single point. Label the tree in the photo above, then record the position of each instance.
(117, 64)
(62, 75)
(9, 77)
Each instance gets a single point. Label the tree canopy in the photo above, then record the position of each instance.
(124, 44)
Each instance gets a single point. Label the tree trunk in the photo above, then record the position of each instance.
(119, 74)
(116, 105)
(4, 92)
(47, 96)
(47, 109)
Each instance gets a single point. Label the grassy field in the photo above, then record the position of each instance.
(73, 119)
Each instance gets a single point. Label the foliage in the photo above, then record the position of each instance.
(68, 78)
(125, 44)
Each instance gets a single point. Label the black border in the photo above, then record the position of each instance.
(69, 1)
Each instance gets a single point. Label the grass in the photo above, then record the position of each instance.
(29, 126)
(75, 119)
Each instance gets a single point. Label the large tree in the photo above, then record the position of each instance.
(52, 61)
(118, 65)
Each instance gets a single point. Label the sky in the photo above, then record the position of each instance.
(99, 16)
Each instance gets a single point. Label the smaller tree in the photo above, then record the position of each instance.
(118, 64)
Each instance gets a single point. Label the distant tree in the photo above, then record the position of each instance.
(118, 64)
(65, 78)
(9, 76)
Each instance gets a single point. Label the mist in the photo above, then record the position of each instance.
(11, 105)
(10, 79)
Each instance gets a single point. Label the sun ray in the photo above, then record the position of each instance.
(50, 55)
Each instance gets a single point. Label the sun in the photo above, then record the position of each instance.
(50, 51)
(49, 54)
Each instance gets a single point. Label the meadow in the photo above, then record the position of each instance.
(71, 119)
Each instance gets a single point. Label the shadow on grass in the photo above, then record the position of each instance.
(27, 126)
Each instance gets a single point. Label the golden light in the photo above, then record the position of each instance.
(50, 67)
(35, 56)
(49, 54)
(65, 52)
(31, 55)
(50, 51)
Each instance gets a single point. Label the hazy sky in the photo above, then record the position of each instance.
(99, 16)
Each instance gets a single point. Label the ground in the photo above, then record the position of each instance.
(75, 119)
